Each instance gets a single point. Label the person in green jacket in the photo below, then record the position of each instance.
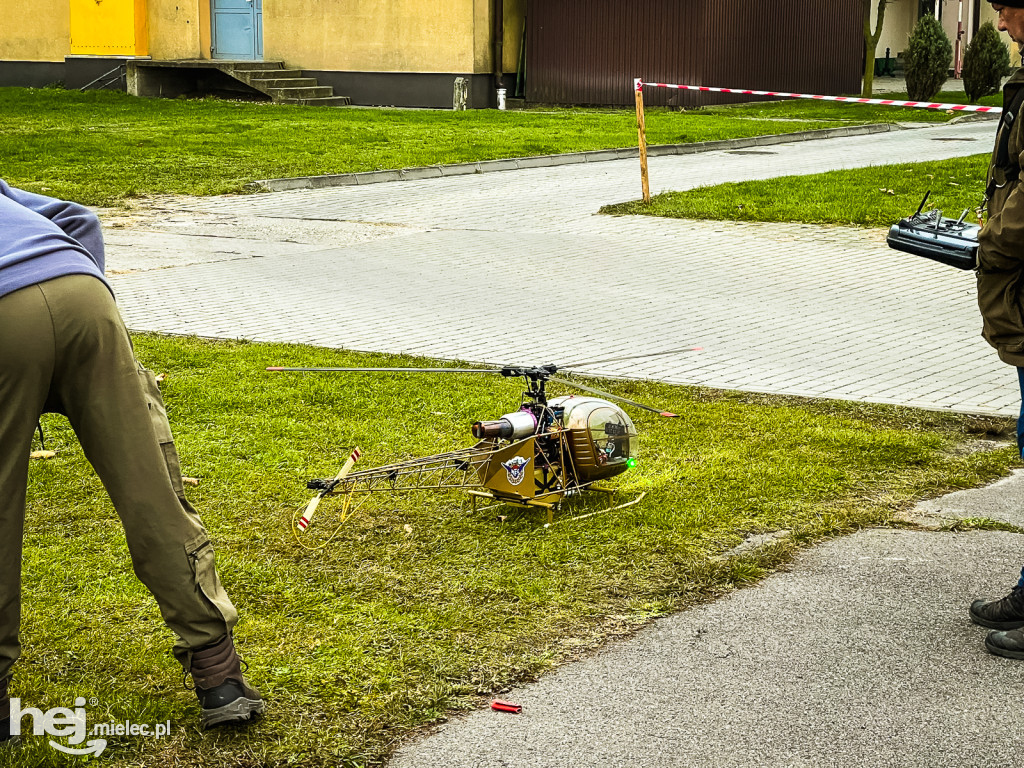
(1001, 299)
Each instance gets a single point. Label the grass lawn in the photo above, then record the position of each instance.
(100, 147)
(419, 605)
(872, 197)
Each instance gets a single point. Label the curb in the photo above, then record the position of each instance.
(545, 161)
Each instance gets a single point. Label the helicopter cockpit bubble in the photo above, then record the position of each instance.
(613, 437)
(511, 426)
(603, 438)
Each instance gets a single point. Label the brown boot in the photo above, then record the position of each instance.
(223, 693)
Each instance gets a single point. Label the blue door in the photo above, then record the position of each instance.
(237, 29)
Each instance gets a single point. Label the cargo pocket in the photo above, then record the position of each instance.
(204, 570)
(162, 428)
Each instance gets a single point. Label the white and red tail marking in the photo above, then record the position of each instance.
(307, 516)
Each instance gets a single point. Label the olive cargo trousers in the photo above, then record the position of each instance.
(64, 348)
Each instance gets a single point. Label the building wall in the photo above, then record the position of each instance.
(179, 29)
(344, 35)
(41, 30)
(34, 30)
(515, 31)
(380, 36)
(901, 17)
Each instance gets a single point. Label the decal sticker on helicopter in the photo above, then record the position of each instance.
(516, 469)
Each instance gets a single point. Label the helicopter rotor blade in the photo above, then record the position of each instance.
(278, 368)
(610, 396)
(635, 357)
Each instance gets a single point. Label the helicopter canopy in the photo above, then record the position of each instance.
(608, 427)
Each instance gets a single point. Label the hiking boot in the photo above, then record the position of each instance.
(1009, 644)
(224, 695)
(1007, 613)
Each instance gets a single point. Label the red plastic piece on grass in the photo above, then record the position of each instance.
(505, 706)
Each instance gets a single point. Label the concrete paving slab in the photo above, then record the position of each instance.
(151, 237)
(824, 312)
(156, 250)
(783, 318)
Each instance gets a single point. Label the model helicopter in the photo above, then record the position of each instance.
(537, 456)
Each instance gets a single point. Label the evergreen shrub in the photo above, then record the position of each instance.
(929, 55)
(986, 63)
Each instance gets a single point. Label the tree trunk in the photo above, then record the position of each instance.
(871, 39)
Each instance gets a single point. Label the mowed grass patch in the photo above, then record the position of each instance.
(419, 605)
(871, 197)
(100, 147)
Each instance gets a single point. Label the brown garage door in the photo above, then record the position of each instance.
(589, 51)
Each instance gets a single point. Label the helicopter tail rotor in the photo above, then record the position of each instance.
(307, 516)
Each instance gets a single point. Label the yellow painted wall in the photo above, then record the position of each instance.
(42, 30)
(378, 36)
(359, 35)
(515, 16)
(482, 49)
(34, 30)
(179, 29)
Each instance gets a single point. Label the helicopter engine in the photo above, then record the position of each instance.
(511, 426)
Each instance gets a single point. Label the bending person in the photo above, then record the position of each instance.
(64, 349)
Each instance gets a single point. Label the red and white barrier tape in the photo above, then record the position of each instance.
(851, 99)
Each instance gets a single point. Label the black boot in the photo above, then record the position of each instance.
(223, 693)
(1007, 613)
(1009, 644)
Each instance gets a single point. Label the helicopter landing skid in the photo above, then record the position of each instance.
(637, 500)
(551, 506)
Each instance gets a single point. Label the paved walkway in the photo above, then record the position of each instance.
(518, 267)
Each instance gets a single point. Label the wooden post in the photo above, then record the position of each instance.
(641, 131)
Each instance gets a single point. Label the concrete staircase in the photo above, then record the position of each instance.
(283, 86)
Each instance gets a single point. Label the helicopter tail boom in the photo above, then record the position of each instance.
(458, 469)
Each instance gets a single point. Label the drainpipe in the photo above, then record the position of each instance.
(498, 39)
(958, 59)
